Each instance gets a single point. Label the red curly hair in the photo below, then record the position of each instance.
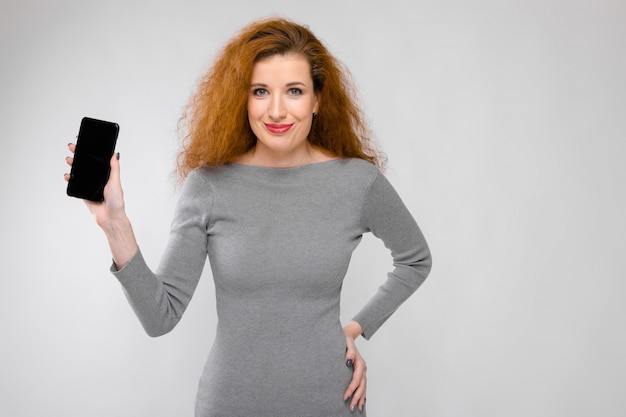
(215, 120)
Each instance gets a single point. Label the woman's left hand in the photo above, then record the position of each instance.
(356, 391)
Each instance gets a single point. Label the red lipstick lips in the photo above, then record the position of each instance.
(278, 128)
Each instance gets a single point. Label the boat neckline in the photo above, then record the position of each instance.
(296, 167)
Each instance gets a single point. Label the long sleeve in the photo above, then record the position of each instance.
(386, 216)
(160, 299)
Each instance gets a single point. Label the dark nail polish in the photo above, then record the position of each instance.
(348, 400)
(118, 156)
(349, 363)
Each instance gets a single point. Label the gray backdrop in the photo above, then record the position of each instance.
(504, 122)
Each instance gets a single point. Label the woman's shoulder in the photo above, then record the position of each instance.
(360, 165)
(200, 181)
(208, 174)
(359, 169)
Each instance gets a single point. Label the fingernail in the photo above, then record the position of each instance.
(118, 156)
(348, 400)
(349, 363)
(353, 408)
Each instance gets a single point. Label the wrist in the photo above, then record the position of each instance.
(115, 226)
(118, 230)
(352, 329)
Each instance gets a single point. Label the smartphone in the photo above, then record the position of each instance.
(95, 145)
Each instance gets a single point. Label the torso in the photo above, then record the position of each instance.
(279, 245)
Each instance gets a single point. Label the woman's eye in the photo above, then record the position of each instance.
(260, 92)
(295, 91)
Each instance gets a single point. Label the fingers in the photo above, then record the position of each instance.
(115, 166)
(69, 160)
(362, 402)
(356, 391)
(350, 353)
(114, 176)
(358, 399)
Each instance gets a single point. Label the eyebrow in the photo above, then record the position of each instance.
(291, 84)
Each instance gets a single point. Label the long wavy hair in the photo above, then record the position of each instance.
(215, 122)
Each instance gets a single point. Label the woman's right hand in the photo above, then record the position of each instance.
(110, 214)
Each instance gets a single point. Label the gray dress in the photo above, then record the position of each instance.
(279, 241)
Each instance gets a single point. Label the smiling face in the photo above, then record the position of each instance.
(281, 104)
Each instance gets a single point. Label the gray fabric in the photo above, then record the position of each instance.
(279, 241)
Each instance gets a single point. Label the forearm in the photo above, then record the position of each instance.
(122, 242)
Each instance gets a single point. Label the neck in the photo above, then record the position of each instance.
(258, 156)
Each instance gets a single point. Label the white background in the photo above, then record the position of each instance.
(505, 127)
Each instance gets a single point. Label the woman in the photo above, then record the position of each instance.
(280, 183)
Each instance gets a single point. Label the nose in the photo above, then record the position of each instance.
(277, 109)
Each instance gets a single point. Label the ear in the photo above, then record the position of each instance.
(316, 106)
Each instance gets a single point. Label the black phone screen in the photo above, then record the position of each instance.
(91, 168)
